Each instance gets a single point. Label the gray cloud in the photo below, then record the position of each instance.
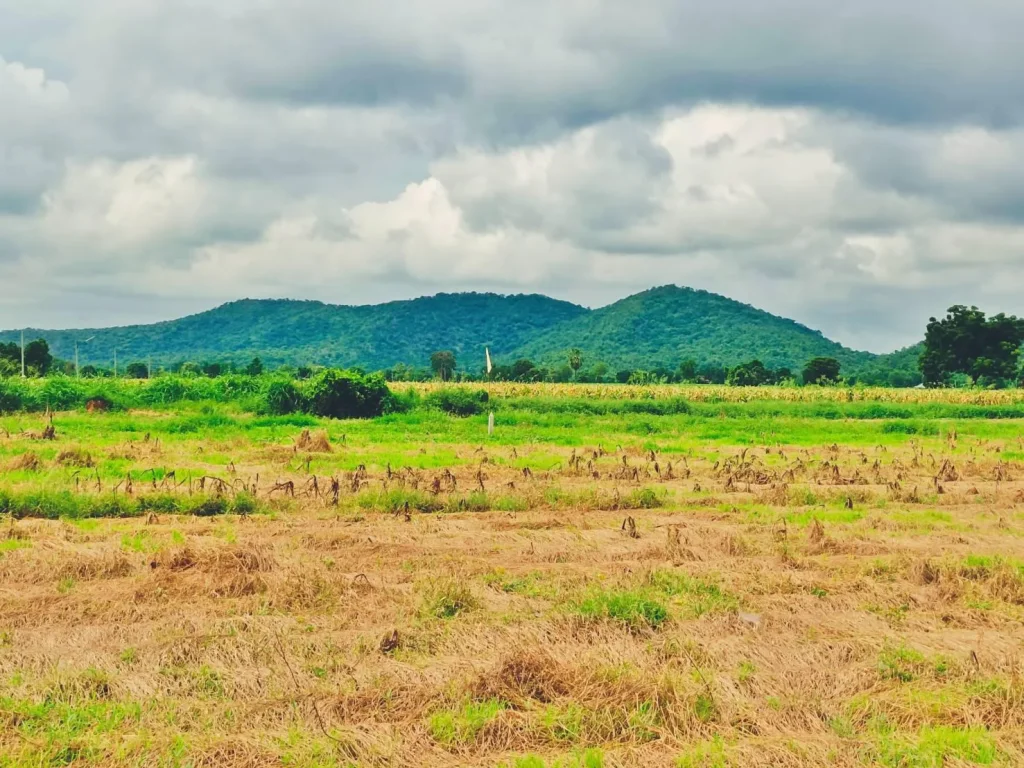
(858, 168)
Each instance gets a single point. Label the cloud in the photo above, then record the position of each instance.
(857, 168)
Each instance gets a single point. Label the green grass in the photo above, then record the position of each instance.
(446, 599)
(634, 609)
(696, 597)
(591, 758)
(706, 754)
(68, 504)
(900, 663)
(934, 747)
(459, 727)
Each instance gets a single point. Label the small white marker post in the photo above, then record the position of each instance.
(490, 416)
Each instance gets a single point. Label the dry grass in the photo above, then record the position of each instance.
(787, 614)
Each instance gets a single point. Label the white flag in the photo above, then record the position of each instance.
(487, 352)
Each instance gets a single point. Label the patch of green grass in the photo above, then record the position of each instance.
(140, 541)
(394, 500)
(460, 727)
(563, 723)
(697, 596)
(531, 584)
(746, 671)
(634, 609)
(705, 707)
(10, 545)
(900, 663)
(705, 754)
(934, 747)
(67, 504)
(448, 598)
(842, 727)
(591, 758)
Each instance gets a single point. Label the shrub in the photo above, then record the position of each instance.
(348, 395)
(283, 397)
(458, 401)
(13, 396)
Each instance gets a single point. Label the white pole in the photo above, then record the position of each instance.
(77, 374)
(23, 354)
(490, 423)
(115, 362)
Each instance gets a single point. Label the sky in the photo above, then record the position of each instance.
(858, 167)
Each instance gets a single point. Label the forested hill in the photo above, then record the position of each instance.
(310, 332)
(665, 325)
(659, 327)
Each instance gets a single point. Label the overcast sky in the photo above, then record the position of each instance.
(855, 166)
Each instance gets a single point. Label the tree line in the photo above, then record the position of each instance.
(964, 348)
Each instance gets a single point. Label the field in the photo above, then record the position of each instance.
(616, 577)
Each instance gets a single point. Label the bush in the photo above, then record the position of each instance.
(458, 401)
(13, 396)
(283, 397)
(348, 395)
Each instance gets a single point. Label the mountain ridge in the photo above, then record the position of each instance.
(661, 326)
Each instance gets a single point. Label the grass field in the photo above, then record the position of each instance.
(617, 577)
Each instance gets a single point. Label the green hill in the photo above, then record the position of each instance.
(659, 327)
(307, 332)
(663, 326)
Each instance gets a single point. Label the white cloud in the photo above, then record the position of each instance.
(157, 156)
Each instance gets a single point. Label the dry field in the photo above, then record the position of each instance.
(419, 598)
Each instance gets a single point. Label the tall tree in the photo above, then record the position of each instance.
(443, 364)
(966, 342)
(575, 360)
(38, 357)
(255, 367)
(752, 374)
(822, 370)
(137, 370)
(688, 370)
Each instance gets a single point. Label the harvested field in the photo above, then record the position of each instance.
(204, 587)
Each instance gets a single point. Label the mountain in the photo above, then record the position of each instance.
(666, 325)
(298, 332)
(658, 327)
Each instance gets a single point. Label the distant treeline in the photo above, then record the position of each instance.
(963, 349)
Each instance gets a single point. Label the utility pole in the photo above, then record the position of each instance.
(115, 362)
(149, 367)
(23, 354)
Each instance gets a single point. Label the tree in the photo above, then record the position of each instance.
(443, 364)
(821, 370)
(89, 372)
(348, 395)
(255, 367)
(137, 371)
(213, 370)
(688, 370)
(10, 359)
(190, 369)
(524, 370)
(752, 374)
(965, 342)
(38, 357)
(712, 373)
(575, 360)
